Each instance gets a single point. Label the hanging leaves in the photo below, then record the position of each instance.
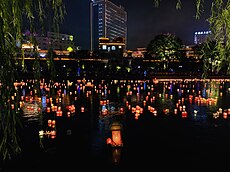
(14, 15)
(178, 4)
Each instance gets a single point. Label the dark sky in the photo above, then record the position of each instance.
(144, 21)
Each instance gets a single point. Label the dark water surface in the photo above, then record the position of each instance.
(155, 141)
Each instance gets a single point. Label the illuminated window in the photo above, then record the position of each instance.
(113, 48)
(104, 47)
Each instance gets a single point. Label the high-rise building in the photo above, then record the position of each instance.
(107, 20)
(201, 36)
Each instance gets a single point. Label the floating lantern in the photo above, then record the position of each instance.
(82, 109)
(220, 110)
(53, 134)
(175, 111)
(184, 114)
(216, 115)
(49, 122)
(116, 134)
(122, 110)
(195, 112)
(48, 109)
(225, 115)
(41, 134)
(53, 122)
(59, 113)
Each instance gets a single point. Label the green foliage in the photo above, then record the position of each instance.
(199, 6)
(165, 46)
(220, 28)
(210, 56)
(14, 16)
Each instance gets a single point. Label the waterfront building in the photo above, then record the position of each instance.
(115, 46)
(62, 44)
(140, 52)
(201, 36)
(107, 20)
(192, 52)
(58, 41)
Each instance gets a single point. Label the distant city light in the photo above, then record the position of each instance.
(203, 33)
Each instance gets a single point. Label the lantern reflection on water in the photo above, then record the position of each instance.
(116, 156)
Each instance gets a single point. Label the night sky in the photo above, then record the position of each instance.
(144, 21)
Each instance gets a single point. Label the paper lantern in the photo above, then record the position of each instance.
(116, 134)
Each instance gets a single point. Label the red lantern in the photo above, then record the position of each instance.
(184, 114)
(108, 141)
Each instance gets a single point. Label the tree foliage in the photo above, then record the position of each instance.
(165, 46)
(210, 57)
(220, 31)
(15, 15)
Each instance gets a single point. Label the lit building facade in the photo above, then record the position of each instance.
(107, 20)
(58, 41)
(201, 36)
(116, 46)
(61, 43)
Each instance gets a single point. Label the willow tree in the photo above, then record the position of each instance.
(219, 24)
(14, 15)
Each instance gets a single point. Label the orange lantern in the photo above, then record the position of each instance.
(53, 134)
(225, 115)
(82, 109)
(116, 134)
(49, 122)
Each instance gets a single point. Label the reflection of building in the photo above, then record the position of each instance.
(200, 37)
(107, 20)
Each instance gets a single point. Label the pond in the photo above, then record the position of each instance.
(174, 122)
